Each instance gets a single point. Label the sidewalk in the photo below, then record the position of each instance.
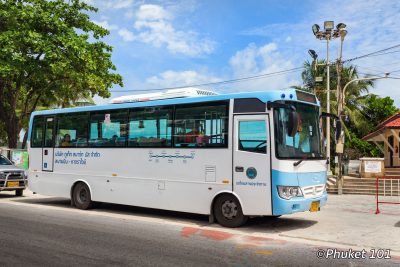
(351, 220)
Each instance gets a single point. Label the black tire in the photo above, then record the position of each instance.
(228, 211)
(81, 196)
(19, 192)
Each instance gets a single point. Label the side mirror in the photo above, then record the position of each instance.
(293, 123)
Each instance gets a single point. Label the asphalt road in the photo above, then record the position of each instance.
(48, 232)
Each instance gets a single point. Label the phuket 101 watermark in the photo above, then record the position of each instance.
(334, 253)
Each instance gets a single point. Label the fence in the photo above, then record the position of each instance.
(388, 187)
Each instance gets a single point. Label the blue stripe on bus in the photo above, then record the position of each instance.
(297, 204)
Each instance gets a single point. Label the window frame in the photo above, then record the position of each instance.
(267, 136)
(54, 116)
(37, 118)
(61, 115)
(225, 103)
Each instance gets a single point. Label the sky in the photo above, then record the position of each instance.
(159, 44)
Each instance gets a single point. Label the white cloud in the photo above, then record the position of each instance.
(254, 60)
(152, 13)
(126, 35)
(172, 78)
(106, 25)
(372, 25)
(114, 4)
(118, 4)
(154, 26)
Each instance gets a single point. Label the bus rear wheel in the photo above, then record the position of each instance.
(228, 211)
(81, 196)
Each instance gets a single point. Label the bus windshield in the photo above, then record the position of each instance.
(307, 141)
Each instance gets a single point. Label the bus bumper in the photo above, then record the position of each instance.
(297, 204)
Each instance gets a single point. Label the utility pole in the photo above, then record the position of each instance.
(340, 141)
(328, 34)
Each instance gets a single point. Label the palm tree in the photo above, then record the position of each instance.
(354, 92)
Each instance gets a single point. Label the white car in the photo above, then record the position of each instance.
(12, 178)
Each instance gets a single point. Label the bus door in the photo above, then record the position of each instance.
(48, 145)
(251, 163)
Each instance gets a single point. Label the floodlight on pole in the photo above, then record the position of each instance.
(328, 25)
(340, 26)
(313, 54)
(315, 29)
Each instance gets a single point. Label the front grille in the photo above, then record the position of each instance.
(313, 191)
(14, 175)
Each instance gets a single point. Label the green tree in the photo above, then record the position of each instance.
(375, 110)
(50, 52)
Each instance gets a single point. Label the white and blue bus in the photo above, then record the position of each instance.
(229, 156)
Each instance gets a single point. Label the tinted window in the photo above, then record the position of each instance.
(72, 130)
(49, 132)
(201, 126)
(108, 128)
(150, 127)
(37, 132)
(4, 161)
(253, 136)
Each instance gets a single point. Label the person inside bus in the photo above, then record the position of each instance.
(113, 141)
(66, 142)
(190, 137)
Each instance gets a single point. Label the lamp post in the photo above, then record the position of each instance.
(328, 34)
(340, 95)
(340, 143)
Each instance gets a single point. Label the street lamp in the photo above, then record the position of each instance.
(313, 54)
(340, 142)
(328, 34)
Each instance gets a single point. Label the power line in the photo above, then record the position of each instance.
(265, 75)
(371, 54)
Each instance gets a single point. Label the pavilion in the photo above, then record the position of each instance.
(388, 133)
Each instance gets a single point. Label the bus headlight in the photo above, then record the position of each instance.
(287, 192)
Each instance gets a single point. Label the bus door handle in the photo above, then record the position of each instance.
(239, 169)
(46, 152)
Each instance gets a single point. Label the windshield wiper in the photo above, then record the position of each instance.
(297, 163)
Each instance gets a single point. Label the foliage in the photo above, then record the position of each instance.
(376, 109)
(50, 53)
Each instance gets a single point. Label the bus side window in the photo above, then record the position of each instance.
(72, 130)
(150, 127)
(253, 136)
(201, 126)
(37, 132)
(108, 128)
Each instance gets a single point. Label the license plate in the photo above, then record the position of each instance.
(12, 184)
(314, 206)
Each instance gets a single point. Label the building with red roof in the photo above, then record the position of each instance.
(388, 133)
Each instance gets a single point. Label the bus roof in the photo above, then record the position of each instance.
(264, 96)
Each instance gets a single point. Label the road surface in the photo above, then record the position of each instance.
(46, 231)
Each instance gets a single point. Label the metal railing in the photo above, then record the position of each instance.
(391, 188)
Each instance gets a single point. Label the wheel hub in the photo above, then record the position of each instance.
(83, 196)
(229, 209)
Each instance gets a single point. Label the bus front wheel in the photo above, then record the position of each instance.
(81, 196)
(228, 211)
